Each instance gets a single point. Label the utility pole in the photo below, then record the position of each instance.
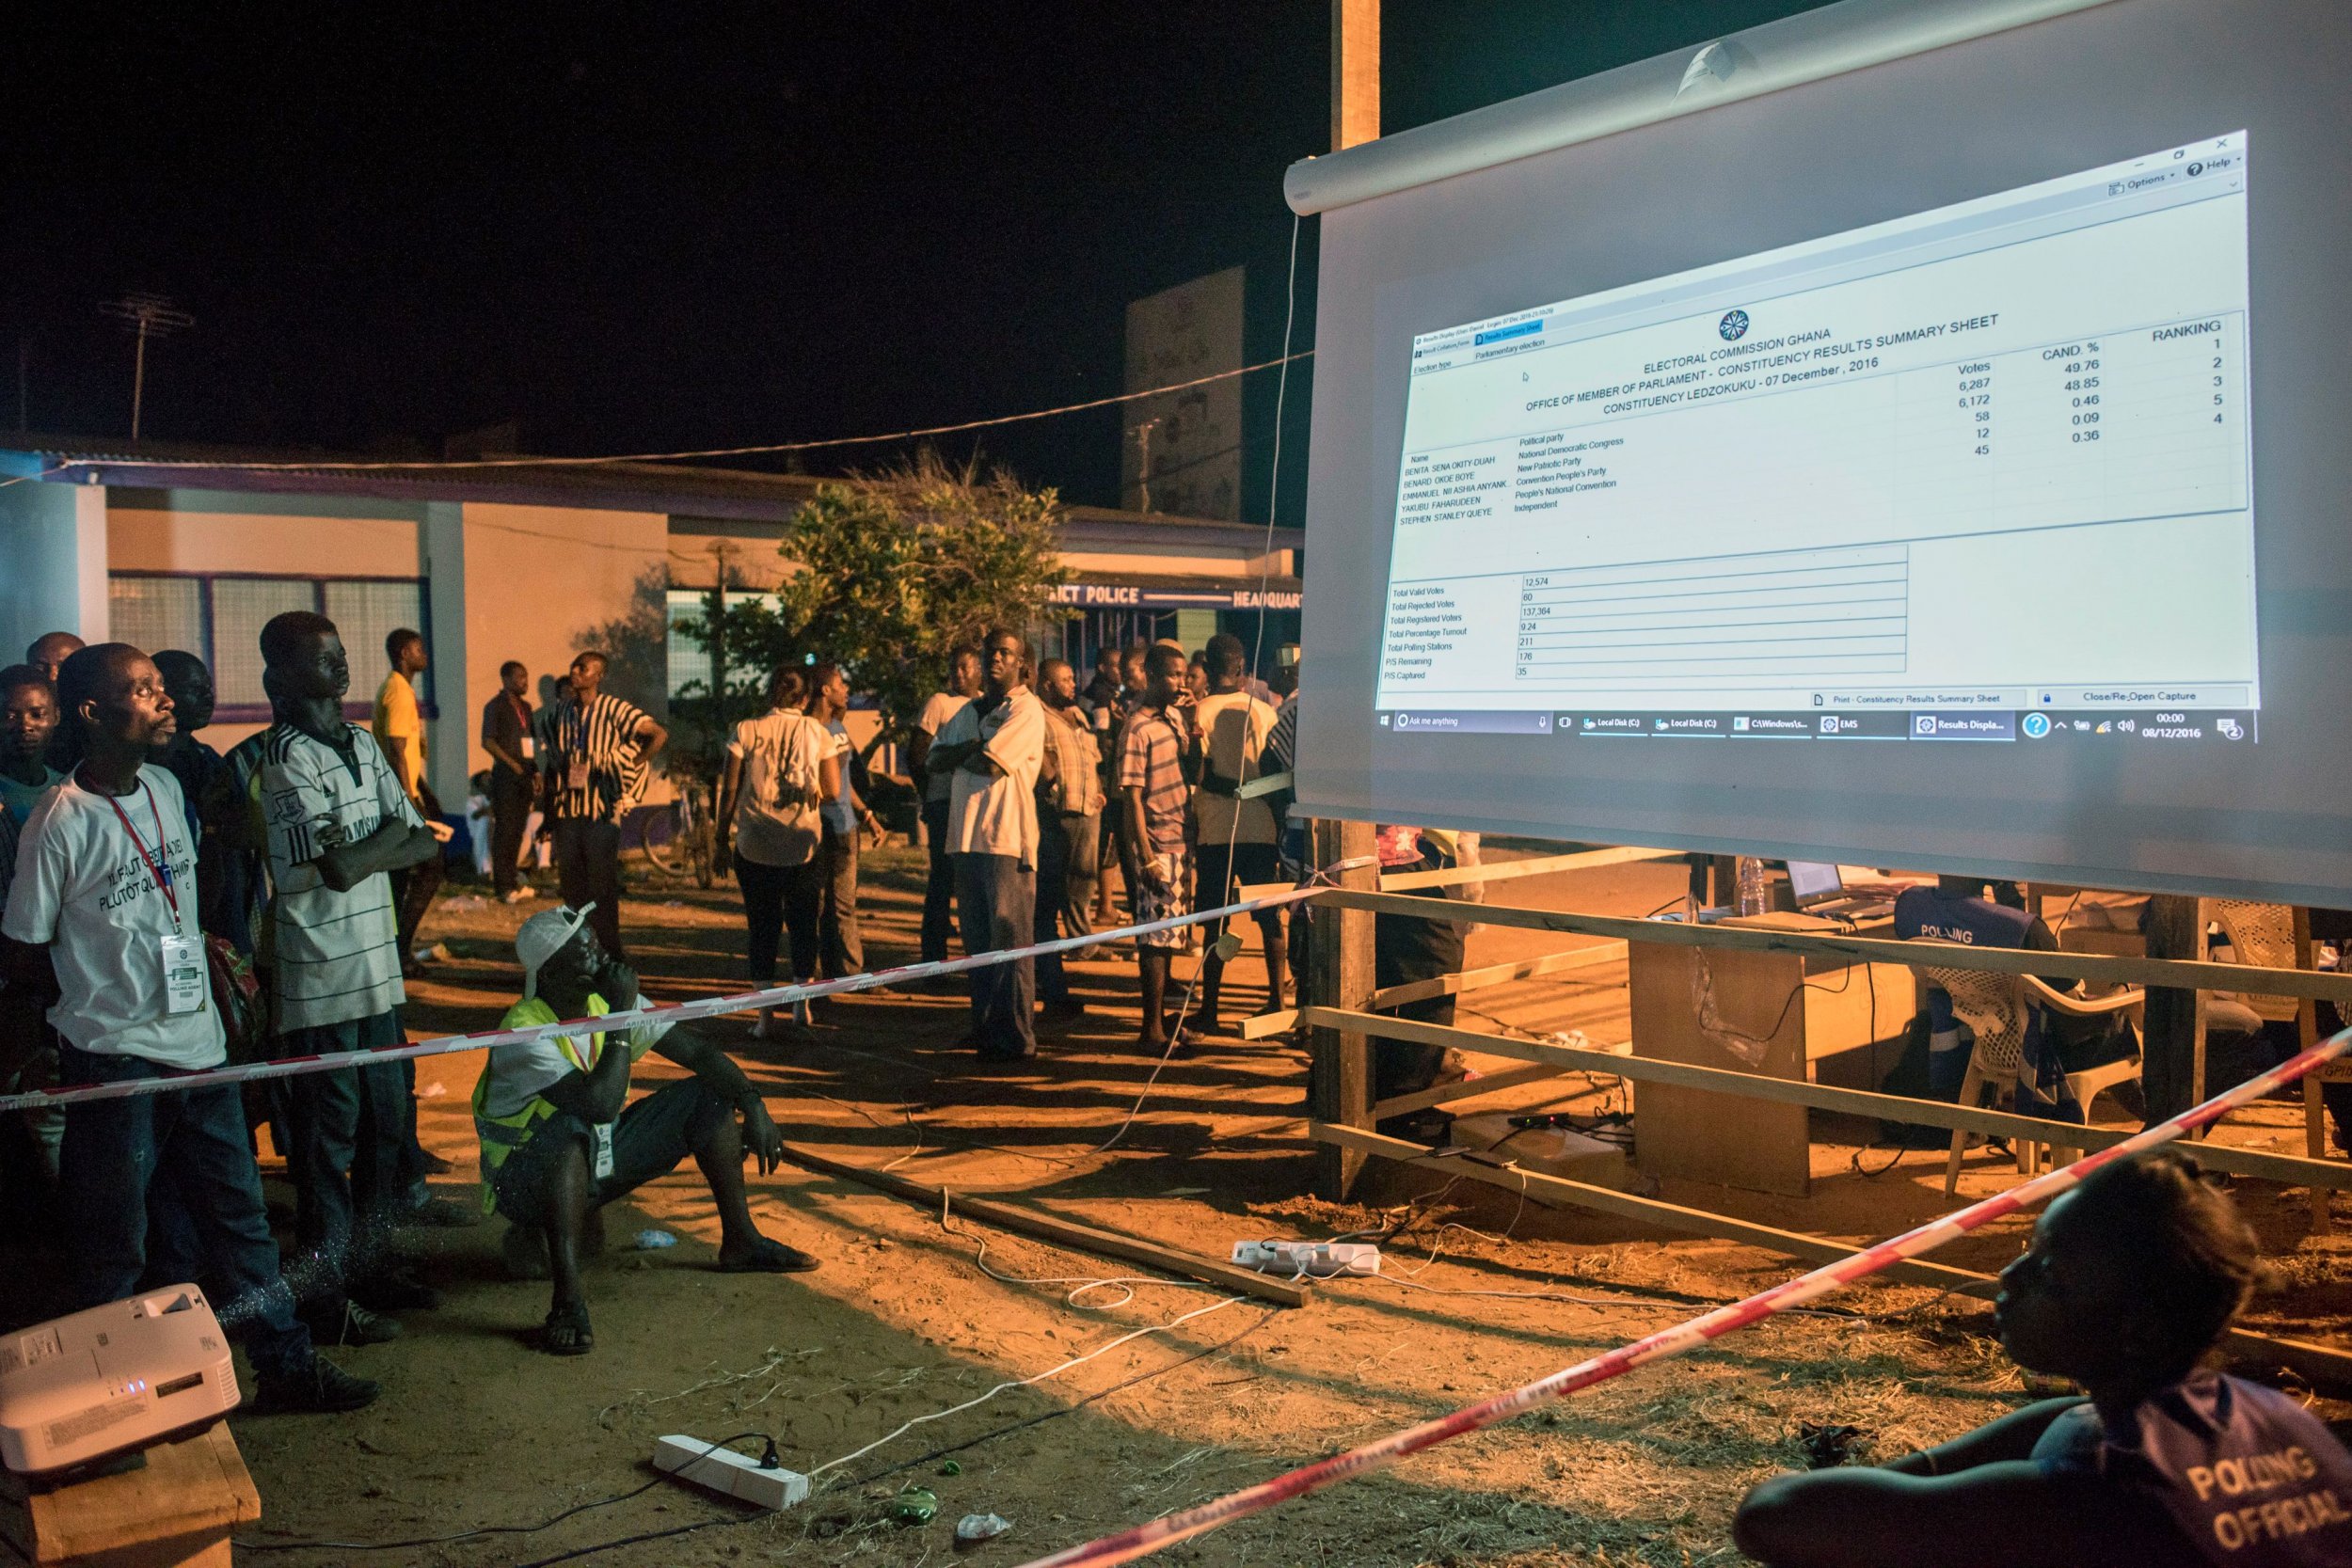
(1354, 73)
(1339, 953)
(149, 316)
(1143, 464)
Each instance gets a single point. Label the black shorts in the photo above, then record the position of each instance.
(1218, 872)
(651, 1138)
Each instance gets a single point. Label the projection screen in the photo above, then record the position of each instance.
(1935, 461)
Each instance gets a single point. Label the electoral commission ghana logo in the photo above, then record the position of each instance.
(1734, 325)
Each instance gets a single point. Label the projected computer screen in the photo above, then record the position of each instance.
(1824, 492)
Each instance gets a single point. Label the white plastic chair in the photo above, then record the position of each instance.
(1995, 1007)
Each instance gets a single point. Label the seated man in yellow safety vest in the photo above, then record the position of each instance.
(557, 1146)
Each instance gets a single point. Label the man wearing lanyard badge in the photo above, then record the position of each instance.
(104, 899)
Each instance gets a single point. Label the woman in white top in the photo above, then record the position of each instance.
(781, 767)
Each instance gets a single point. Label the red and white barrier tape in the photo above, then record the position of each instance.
(676, 1012)
(1143, 1539)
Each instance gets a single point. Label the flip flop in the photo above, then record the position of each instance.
(769, 1256)
(566, 1331)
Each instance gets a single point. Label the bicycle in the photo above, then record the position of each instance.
(683, 836)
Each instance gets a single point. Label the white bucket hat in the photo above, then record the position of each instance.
(542, 936)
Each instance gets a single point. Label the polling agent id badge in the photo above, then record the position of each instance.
(184, 984)
(531, 748)
(576, 776)
(604, 1149)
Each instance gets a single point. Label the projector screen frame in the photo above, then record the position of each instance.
(2184, 842)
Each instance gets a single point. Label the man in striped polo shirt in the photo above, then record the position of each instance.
(338, 820)
(593, 767)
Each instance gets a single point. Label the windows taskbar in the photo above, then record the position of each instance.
(2226, 727)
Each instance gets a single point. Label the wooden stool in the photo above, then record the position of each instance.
(174, 1512)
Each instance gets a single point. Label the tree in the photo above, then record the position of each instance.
(886, 572)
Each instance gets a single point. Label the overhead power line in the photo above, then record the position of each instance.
(413, 465)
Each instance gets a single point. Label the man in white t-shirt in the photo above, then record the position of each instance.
(338, 820)
(557, 1145)
(991, 752)
(104, 899)
(939, 891)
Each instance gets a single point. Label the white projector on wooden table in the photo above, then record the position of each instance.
(116, 1378)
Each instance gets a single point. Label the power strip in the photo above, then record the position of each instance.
(729, 1473)
(1316, 1260)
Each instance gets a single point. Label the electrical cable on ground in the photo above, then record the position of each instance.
(908, 1426)
(494, 1530)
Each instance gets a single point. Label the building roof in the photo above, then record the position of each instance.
(736, 494)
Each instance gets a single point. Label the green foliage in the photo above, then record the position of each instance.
(886, 573)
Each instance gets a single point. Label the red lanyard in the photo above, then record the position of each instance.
(161, 873)
(521, 716)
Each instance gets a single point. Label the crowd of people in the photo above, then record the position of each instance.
(1045, 802)
(167, 908)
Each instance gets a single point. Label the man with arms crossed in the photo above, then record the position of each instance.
(106, 883)
(557, 1146)
(338, 821)
(991, 752)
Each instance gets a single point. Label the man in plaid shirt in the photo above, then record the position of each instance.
(1152, 754)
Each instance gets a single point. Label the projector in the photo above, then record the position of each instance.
(113, 1379)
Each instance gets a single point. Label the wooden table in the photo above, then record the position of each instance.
(174, 1512)
(1841, 1027)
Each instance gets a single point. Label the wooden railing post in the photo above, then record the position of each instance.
(1340, 974)
(2172, 1052)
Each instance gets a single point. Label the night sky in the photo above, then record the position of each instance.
(645, 229)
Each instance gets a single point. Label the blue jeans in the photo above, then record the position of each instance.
(185, 1151)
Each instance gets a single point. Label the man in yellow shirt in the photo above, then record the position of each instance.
(400, 730)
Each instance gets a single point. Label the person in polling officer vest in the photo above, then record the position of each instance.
(559, 1140)
(2132, 1279)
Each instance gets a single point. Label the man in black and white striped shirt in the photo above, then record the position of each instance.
(592, 768)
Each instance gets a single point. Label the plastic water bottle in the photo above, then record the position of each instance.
(1753, 895)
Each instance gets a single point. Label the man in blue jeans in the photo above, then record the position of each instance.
(103, 910)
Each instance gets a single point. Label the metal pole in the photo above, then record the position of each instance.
(138, 379)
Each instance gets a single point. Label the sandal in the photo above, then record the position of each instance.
(769, 1256)
(566, 1331)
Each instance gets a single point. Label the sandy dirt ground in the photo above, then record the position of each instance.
(856, 1371)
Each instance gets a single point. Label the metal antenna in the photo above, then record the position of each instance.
(149, 316)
